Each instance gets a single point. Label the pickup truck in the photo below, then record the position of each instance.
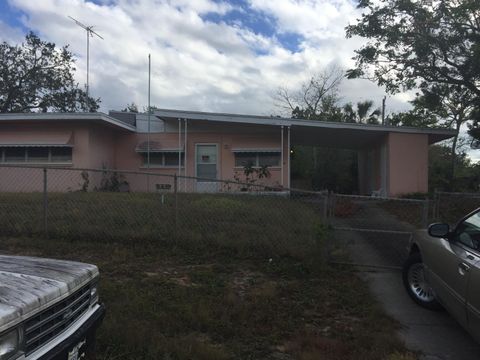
(49, 309)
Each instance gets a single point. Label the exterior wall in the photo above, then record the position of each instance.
(408, 163)
(93, 147)
(126, 158)
(372, 175)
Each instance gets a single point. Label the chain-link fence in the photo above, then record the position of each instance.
(450, 207)
(374, 231)
(141, 207)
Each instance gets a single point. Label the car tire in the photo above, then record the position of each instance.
(416, 285)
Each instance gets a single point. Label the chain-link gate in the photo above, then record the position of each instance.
(373, 231)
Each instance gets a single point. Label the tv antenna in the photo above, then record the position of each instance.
(90, 33)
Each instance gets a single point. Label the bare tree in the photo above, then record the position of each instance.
(314, 96)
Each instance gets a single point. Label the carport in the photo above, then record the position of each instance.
(391, 160)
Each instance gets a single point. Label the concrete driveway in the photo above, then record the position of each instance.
(435, 334)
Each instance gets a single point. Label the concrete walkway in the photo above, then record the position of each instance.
(435, 334)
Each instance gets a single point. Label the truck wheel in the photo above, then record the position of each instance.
(416, 285)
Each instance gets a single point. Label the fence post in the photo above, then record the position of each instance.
(45, 203)
(425, 214)
(325, 207)
(175, 194)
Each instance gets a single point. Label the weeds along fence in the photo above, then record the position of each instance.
(138, 207)
(142, 207)
(452, 206)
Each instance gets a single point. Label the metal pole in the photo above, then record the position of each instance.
(148, 114)
(175, 194)
(88, 60)
(45, 203)
(288, 164)
(185, 156)
(281, 161)
(179, 146)
(383, 110)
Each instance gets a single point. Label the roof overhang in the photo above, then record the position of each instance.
(44, 139)
(100, 118)
(310, 132)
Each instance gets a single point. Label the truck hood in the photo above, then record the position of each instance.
(28, 285)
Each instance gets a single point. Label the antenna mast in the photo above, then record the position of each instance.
(90, 33)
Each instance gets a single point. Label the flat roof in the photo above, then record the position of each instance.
(310, 129)
(57, 116)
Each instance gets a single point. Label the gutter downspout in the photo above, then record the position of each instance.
(179, 147)
(185, 144)
(288, 164)
(282, 156)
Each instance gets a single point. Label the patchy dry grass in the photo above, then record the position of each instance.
(237, 278)
(165, 303)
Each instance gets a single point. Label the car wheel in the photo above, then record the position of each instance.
(416, 284)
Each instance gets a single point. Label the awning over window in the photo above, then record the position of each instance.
(155, 146)
(250, 150)
(22, 139)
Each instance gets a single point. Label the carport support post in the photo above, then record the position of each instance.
(45, 202)
(175, 194)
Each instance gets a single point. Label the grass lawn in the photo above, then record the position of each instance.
(243, 278)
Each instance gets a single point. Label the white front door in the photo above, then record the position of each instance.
(206, 167)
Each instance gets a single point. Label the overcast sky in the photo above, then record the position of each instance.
(227, 56)
(207, 55)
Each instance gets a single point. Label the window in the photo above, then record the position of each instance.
(257, 159)
(162, 159)
(36, 154)
(468, 232)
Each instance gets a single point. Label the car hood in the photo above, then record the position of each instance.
(28, 285)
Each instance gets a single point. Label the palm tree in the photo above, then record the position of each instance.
(363, 114)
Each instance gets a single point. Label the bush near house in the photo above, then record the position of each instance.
(244, 277)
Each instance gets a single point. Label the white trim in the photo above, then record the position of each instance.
(98, 116)
(256, 150)
(217, 161)
(268, 120)
(175, 150)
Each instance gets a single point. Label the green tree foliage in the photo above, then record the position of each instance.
(363, 114)
(419, 43)
(430, 46)
(467, 176)
(131, 108)
(35, 76)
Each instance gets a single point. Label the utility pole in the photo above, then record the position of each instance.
(90, 33)
(383, 110)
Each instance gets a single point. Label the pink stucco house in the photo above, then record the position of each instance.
(392, 160)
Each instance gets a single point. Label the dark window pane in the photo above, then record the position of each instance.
(156, 159)
(208, 171)
(61, 154)
(269, 159)
(37, 154)
(245, 159)
(171, 159)
(15, 154)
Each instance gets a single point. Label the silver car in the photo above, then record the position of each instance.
(443, 270)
